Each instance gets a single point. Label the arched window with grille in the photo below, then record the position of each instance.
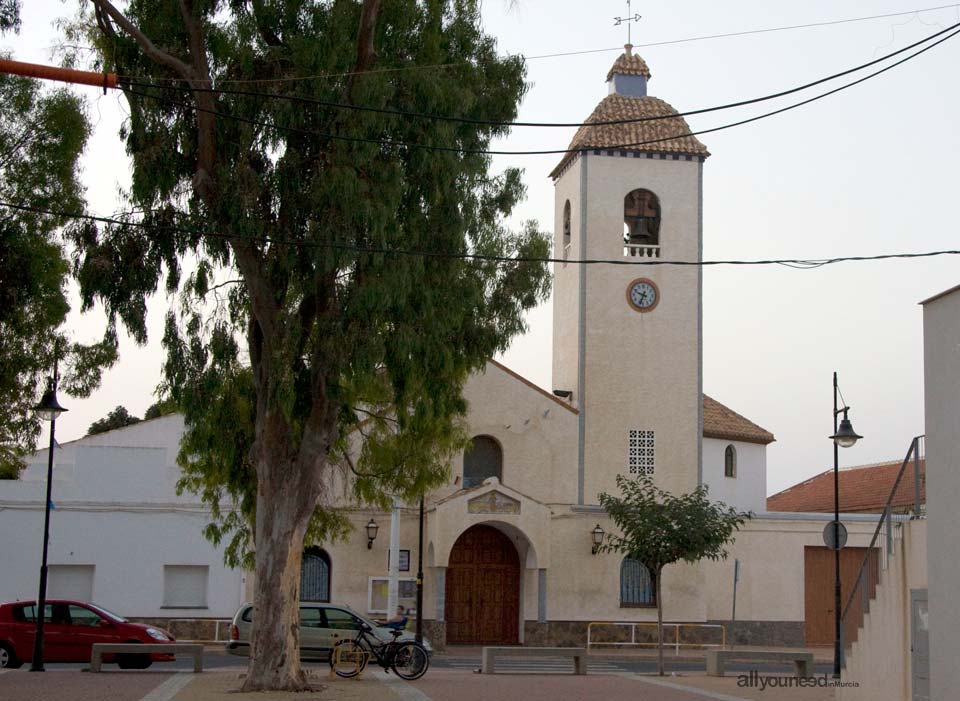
(482, 460)
(315, 575)
(730, 462)
(637, 587)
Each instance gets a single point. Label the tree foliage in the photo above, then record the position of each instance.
(42, 136)
(658, 528)
(307, 344)
(118, 418)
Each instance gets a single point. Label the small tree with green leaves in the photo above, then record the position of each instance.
(118, 418)
(659, 529)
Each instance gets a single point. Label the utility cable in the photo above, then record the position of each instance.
(612, 147)
(686, 40)
(494, 123)
(377, 250)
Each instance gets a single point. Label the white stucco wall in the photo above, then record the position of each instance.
(941, 357)
(116, 508)
(879, 661)
(748, 489)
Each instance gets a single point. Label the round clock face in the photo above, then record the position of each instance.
(643, 295)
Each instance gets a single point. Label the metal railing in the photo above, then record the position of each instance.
(676, 643)
(885, 531)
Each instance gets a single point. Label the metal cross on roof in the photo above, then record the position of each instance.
(617, 21)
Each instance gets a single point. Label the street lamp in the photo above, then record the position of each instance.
(843, 437)
(597, 534)
(372, 529)
(48, 409)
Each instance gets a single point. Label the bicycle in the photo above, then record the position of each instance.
(408, 659)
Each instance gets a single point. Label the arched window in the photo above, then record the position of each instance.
(315, 575)
(566, 223)
(483, 459)
(730, 462)
(637, 587)
(641, 218)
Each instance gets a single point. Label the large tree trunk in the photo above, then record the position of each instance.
(285, 502)
(659, 624)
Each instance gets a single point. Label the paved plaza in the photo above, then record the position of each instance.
(451, 677)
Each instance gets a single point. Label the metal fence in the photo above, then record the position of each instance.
(672, 635)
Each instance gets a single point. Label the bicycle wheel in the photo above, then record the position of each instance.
(348, 658)
(411, 661)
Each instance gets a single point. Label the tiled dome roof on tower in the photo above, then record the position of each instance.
(629, 105)
(629, 64)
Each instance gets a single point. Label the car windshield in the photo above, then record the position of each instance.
(107, 614)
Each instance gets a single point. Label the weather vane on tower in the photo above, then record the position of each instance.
(617, 21)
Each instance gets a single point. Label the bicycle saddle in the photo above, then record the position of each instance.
(396, 633)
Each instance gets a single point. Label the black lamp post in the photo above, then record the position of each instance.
(48, 409)
(843, 437)
(419, 631)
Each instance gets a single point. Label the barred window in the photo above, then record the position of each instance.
(315, 575)
(636, 585)
(640, 452)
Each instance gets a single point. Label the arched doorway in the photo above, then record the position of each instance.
(483, 589)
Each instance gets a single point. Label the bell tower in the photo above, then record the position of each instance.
(627, 338)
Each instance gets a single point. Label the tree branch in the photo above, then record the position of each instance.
(365, 48)
(152, 52)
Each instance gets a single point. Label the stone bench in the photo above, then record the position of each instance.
(717, 659)
(99, 649)
(490, 654)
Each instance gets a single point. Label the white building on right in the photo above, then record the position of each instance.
(941, 369)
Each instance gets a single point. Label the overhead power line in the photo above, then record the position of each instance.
(499, 123)
(686, 40)
(612, 147)
(801, 263)
(749, 32)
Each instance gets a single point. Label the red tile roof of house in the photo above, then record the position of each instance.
(864, 489)
(720, 421)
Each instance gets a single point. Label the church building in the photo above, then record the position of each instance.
(508, 545)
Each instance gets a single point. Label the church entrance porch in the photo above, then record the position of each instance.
(483, 589)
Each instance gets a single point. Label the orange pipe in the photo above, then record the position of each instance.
(65, 75)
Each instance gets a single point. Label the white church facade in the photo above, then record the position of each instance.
(508, 545)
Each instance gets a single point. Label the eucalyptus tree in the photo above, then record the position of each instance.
(659, 529)
(332, 310)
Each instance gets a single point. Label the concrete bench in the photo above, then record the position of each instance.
(490, 654)
(100, 649)
(717, 659)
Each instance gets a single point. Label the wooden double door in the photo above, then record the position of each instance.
(483, 589)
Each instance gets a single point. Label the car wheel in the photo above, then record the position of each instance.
(132, 661)
(8, 660)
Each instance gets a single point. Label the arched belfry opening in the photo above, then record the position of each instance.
(482, 598)
(641, 223)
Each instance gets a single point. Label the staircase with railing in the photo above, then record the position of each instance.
(876, 603)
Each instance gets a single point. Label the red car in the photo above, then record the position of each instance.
(70, 628)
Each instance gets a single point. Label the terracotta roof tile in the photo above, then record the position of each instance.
(722, 422)
(863, 489)
(654, 136)
(629, 65)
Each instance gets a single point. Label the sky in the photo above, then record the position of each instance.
(871, 170)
